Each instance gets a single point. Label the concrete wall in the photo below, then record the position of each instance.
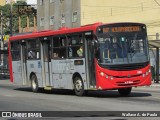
(40, 14)
(2, 2)
(56, 9)
(108, 11)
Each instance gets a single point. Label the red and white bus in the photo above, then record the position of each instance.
(92, 57)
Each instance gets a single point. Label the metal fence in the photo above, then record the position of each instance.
(154, 37)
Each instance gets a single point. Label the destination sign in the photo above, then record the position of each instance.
(122, 29)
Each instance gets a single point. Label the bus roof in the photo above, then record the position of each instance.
(63, 30)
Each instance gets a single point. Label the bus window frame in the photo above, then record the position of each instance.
(48, 57)
(37, 48)
(56, 55)
(77, 45)
(18, 58)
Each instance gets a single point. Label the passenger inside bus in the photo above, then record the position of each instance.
(80, 51)
(55, 55)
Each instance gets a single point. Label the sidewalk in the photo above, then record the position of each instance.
(155, 84)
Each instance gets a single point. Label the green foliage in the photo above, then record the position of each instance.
(6, 10)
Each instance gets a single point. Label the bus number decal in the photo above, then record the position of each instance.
(39, 64)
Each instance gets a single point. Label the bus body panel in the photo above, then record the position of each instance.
(17, 72)
(23, 63)
(34, 66)
(47, 74)
(63, 71)
(19, 67)
(45, 63)
(10, 62)
(109, 79)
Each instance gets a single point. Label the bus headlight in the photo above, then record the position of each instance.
(147, 73)
(107, 76)
(102, 74)
(143, 75)
(149, 70)
(111, 77)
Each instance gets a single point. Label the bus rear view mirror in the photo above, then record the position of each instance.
(95, 44)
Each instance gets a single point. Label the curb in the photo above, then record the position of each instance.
(155, 85)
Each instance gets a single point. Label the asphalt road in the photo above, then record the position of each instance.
(20, 98)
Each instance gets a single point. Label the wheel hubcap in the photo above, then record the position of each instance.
(34, 84)
(78, 85)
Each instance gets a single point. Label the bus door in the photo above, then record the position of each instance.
(89, 55)
(46, 61)
(23, 61)
(59, 62)
(16, 62)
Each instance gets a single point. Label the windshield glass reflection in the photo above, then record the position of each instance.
(129, 48)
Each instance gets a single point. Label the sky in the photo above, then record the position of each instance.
(31, 1)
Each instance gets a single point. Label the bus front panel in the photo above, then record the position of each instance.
(122, 58)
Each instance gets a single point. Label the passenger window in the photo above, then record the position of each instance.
(33, 49)
(15, 50)
(59, 47)
(75, 45)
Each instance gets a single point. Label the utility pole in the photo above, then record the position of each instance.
(2, 43)
(11, 19)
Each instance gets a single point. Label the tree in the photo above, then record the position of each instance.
(6, 9)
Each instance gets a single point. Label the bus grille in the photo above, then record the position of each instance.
(125, 67)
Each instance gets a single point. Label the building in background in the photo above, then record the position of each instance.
(2, 2)
(53, 14)
(32, 2)
(26, 14)
(9, 1)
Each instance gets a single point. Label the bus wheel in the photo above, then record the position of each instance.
(124, 91)
(34, 84)
(78, 86)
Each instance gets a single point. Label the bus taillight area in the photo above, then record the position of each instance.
(111, 79)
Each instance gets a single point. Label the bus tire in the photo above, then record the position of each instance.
(78, 86)
(124, 91)
(34, 83)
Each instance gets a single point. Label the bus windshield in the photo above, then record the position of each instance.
(125, 48)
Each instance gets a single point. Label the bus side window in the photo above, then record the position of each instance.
(59, 47)
(15, 50)
(33, 48)
(75, 45)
